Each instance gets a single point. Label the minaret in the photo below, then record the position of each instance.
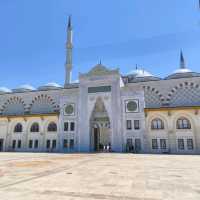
(69, 47)
(182, 61)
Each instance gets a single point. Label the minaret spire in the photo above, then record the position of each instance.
(69, 47)
(69, 22)
(182, 61)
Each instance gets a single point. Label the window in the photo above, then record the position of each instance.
(13, 144)
(35, 127)
(54, 144)
(183, 123)
(18, 128)
(129, 142)
(72, 126)
(48, 144)
(66, 126)
(136, 124)
(190, 144)
(19, 143)
(163, 144)
(128, 124)
(129, 145)
(36, 144)
(30, 145)
(52, 127)
(132, 105)
(154, 144)
(157, 124)
(65, 144)
(180, 144)
(71, 144)
(69, 109)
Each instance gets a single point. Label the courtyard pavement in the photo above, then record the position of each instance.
(38, 176)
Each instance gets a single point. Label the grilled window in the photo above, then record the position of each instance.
(35, 127)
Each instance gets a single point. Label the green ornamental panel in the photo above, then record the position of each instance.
(132, 106)
(99, 89)
(69, 109)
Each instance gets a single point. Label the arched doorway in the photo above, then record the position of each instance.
(100, 133)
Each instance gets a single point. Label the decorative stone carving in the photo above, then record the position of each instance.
(100, 70)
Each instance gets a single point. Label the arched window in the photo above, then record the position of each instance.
(35, 127)
(18, 128)
(52, 127)
(157, 124)
(183, 123)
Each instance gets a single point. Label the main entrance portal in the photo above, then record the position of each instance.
(100, 136)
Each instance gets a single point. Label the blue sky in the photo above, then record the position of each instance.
(122, 33)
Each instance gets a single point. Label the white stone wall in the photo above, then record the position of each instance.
(71, 96)
(112, 102)
(133, 93)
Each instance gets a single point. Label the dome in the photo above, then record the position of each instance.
(75, 81)
(53, 85)
(50, 86)
(24, 88)
(4, 90)
(186, 73)
(141, 75)
(27, 87)
(182, 73)
(185, 70)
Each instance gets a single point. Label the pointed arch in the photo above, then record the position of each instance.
(13, 106)
(99, 107)
(100, 134)
(43, 104)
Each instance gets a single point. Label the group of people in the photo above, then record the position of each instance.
(105, 148)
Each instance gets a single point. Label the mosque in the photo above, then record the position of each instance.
(104, 111)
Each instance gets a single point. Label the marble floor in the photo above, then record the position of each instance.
(40, 176)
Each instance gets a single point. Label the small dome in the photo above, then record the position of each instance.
(184, 70)
(4, 90)
(75, 81)
(140, 73)
(27, 87)
(24, 88)
(50, 86)
(53, 85)
(182, 73)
